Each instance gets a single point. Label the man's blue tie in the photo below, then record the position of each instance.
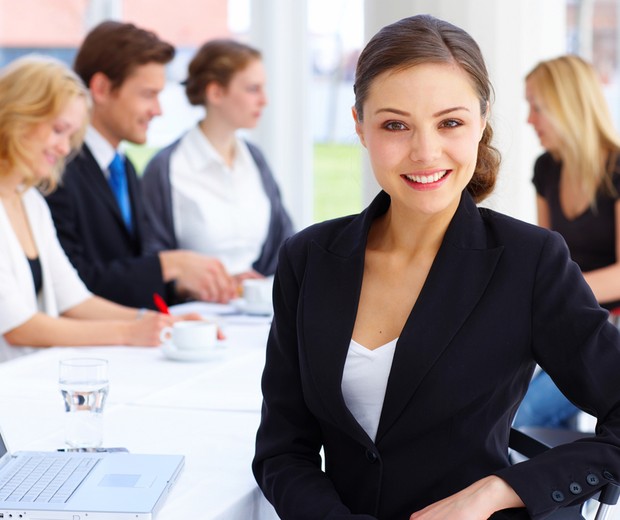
(118, 183)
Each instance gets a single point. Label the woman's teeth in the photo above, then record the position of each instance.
(425, 179)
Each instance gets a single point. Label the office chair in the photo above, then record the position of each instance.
(530, 442)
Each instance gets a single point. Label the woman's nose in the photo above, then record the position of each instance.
(425, 147)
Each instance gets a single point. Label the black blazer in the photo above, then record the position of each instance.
(501, 295)
(108, 258)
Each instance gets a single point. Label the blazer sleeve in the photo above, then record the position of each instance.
(287, 464)
(573, 341)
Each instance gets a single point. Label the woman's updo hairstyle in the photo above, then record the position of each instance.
(216, 61)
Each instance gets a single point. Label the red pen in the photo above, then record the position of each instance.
(160, 304)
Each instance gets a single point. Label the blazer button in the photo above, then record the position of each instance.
(557, 496)
(592, 479)
(371, 456)
(574, 488)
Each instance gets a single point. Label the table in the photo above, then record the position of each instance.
(207, 411)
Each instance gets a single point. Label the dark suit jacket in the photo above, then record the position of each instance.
(501, 295)
(90, 227)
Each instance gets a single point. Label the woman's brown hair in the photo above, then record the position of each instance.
(216, 61)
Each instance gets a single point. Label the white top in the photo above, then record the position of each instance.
(102, 151)
(217, 210)
(62, 288)
(364, 381)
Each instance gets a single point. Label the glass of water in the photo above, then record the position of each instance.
(84, 386)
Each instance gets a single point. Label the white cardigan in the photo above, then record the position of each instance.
(62, 288)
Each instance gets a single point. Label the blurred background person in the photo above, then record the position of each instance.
(212, 191)
(43, 302)
(577, 182)
(98, 209)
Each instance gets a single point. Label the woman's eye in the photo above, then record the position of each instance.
(450, 123)
(394, 126)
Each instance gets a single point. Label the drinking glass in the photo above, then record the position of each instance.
(84, 386)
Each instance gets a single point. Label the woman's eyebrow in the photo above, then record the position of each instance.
(405, 113)
(448, 110)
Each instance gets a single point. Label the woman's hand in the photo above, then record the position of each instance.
(146, 330)
(190, 316)
(476, 502)
(247, 275)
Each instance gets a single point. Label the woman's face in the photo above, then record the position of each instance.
(50, 141)
(421, 128)
(243, 100)
(539, 119)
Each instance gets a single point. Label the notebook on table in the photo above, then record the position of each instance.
(84, 486)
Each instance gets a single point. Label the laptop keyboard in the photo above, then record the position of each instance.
(45, 478)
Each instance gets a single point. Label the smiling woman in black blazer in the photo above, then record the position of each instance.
(404, 338)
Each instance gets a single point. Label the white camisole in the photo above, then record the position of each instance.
(364, 381)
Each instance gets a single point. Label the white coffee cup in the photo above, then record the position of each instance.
(257, 291)
(190, 335)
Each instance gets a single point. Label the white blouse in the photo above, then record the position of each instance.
(364, 382)
(218, 210)
(62, 287)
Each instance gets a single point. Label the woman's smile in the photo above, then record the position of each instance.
(428, 180)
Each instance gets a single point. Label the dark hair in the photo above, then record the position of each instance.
(216, 60)
(424, 39)
(116, 49)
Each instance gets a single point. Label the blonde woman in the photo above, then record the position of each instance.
(43, 302)
(577, 181)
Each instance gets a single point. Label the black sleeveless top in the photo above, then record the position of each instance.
(37, 273)
(591, 236)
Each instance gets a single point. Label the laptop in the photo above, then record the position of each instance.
(84, 486)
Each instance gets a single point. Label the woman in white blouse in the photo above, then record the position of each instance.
(212, 191)
(43, 302)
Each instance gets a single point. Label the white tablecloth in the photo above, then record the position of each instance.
(207, 411)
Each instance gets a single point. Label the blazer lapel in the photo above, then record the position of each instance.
(457, 279)
(332, 284)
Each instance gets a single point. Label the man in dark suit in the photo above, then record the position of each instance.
(98, 209)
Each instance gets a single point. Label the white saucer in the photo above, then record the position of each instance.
(258, 309)
(171, 352)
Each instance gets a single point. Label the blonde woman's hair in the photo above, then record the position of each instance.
(34, 90)
(571, 96)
